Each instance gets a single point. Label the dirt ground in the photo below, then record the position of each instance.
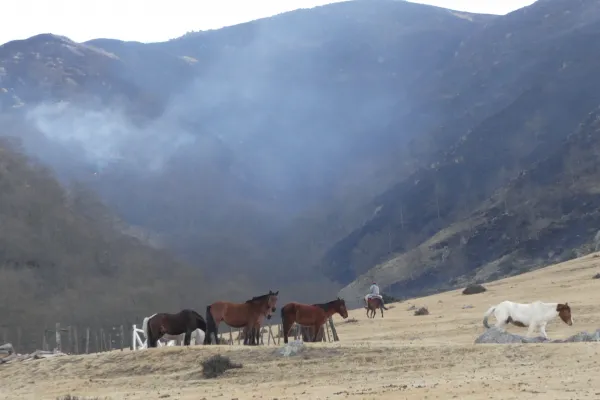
(401, 356)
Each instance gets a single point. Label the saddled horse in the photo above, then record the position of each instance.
(313, 315)
(186, 321)
(373, 304)
(239, 315)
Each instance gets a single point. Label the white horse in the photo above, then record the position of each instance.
(532, 315)
(197, 336)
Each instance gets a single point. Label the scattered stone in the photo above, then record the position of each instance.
(217, 365)
(474, 289)
(497, 336)
(292, 348)
(422, 311)
(581, 337)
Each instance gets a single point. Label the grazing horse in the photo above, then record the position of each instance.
(239, 315)
(310, 315)
(532, 315)
(373, 304)
(185, 321)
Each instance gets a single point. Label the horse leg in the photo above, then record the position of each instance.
(286, 330)
(543, 330)
(151, 340)
(186, 339)
(532, 327)
(316, 329)
(247, 333)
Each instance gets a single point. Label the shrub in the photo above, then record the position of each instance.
(217, 365)
(422, 311)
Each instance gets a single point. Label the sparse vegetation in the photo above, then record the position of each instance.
(217, 365)
(597, 276)
(56, 242)
(351, 321)
(474, 289)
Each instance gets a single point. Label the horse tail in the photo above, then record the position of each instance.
(487, 315)
(200, 322)
(145, 329)
(282, 312)
(211, 326)
(287, 309)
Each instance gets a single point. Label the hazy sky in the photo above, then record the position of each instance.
(158, 20)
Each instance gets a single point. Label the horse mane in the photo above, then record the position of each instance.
(326, 306)
(258, 298)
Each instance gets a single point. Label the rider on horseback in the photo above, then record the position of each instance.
(374, 292)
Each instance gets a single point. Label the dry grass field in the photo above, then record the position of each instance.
(401, 356)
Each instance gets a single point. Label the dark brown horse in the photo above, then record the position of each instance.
(239, 315)
(373, 304)
(185, 321)
(251, 336)
(313, 315)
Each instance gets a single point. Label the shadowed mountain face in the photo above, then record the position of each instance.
(307, 148)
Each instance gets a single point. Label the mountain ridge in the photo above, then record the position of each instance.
(312, 146)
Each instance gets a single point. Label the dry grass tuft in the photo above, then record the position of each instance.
(422, 311)
(351, 321)
(597, 276)
(217, 365)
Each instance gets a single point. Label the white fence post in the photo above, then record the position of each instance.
(136, 341)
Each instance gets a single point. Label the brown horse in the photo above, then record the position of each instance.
(310, 315)
(185, 321)
(373, 304)
(239, 315)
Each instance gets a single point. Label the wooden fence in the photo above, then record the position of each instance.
(69, 339)
(72, 339)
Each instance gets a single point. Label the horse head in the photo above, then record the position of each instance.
(266, 303)
(340, 307)
(564, 312)
(272, 302)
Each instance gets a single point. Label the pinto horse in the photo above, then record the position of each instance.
(186, 321)
(373, 304)
(532, 315)
(239, 315)
(310, 315)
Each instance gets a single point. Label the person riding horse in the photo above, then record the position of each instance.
(374, 292)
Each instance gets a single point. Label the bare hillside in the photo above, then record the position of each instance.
(399, 356)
